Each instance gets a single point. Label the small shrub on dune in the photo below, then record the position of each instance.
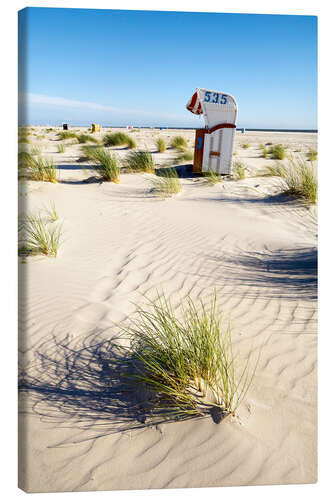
(211, 177)
(167, 184)
(140, 161)
(186, 362)
(179, 142)
(238, 170)
(277, 152)
(245, 146)
(39, 237)
(119, 139)
(160, 145)
(312, 155)
(106, 165)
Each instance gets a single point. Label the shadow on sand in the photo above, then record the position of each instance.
(88, 385)
(288, 273)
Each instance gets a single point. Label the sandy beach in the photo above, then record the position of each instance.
(121, 244)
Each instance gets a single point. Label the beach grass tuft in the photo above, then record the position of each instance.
(83, 138)
(39, 237)
(211, 177)
(277, 152)
(66, 134)
(179, 142)
(51, 212)
(166, 184)
(160, 145)
(312, 155)
(37, 169)
(185, 156)
(119, 139)
(61, 148)
(140, 161)
(238, 170)
(245, 146)
(186, 362)
(106, 165)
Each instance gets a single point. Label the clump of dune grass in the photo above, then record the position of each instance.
(49, 130)
(166, 184)
(83, 138)
(184, 156)
(140, 161)
(23, 140)
(38, 169)
(276, 170)
(245, 146)
(61, 148)
(312, 155)
(119, 139)
(160, 145)
(185, 363)
(211, 177)
(106, 165)
(51, 212)
(277, 152)
(66, 134)
(179, 142)
(264, 151)
(300, 179)
(36, 150)
(39, 237)
(238, 170)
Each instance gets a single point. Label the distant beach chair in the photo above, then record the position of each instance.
(214, 143)
(95, 127)
(64, 126)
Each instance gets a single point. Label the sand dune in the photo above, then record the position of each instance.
(256, 247)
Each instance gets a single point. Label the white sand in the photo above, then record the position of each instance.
(121, 243)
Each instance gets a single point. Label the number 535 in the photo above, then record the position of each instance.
(215, 98)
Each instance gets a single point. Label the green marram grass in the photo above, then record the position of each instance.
(238, 170)
(312, 155)
(37, 169)
(61, 148)
(105, 164)
(211, 177)
(186, 363)
(160, 145)
(245, 146)
(39, 237)
(299, 178)
(166, 184)
(184, 156)
(119, 139)
(277, 152)
(179, 142)
(51, 212)
(140, 161)
(66, 134)
(83, 138)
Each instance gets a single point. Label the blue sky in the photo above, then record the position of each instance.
(141, 67)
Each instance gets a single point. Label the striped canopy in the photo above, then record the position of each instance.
(194, 105)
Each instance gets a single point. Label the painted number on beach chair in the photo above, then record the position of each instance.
(217, 98)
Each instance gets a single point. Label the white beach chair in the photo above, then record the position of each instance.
(214, 144)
